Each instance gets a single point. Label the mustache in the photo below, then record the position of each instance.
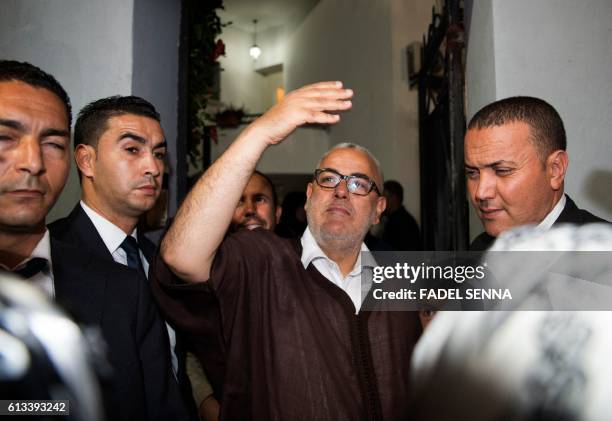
(344, 204)
(26, 183)
(147, 181)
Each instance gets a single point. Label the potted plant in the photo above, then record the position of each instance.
(230, 117)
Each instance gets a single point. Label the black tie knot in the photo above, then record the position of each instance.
(31, 267)
(130, 246)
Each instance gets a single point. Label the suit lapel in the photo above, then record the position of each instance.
(89, 237)
(87, 234)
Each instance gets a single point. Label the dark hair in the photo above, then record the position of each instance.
(11, 70)
(271, 184)
(546, 126)
(93, 118)
(395, 189)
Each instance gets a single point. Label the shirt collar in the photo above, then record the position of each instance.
(311, 251)
(553, 215)
(111, 234)
(42, 250)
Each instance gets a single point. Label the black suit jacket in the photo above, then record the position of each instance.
(571, 214)
(117, 299)
(78, 230)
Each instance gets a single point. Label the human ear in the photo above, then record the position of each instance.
(279, 211)
(85, 158)
(308, 190)
(308, 194)
(381, 205)
(556, 167)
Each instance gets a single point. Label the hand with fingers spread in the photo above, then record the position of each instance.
(311, 104)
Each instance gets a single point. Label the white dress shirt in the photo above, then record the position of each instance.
(43, 279)
(113, 236)
(553, 215)
(351, 284)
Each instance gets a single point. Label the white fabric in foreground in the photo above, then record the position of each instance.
(520, 365)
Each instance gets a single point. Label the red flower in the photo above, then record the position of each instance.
(219, 50)
(214, 136)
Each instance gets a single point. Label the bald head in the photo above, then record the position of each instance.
(377, 172)
(338, 218)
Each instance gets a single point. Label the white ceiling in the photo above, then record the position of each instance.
(269, 13)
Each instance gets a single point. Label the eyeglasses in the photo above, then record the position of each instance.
(360, 185)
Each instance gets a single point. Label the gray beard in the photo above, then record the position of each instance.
(338, 242)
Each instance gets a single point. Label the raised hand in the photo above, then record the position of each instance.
(314, 104)
(190, 245)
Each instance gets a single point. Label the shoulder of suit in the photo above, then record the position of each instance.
(58, 226)
(573, 214)
(62, 227)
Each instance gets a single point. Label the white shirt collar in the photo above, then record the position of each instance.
(351, 283)
(43, 279)
(311, 251)
(42, 250)
(550, 219)
(111, 234)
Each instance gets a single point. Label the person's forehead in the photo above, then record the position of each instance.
(350, 161)
(144, 126)
(505, 142)
(19, 99)
(258, 185)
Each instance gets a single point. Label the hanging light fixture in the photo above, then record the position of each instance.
(255, 51)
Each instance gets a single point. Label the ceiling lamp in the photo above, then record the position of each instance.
(255, 51)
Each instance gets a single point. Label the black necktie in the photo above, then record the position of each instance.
(32, 267)
(130, 246)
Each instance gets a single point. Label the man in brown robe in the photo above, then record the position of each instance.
(277, 322)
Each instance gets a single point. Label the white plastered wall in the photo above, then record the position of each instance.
(86, 45)
(97, 49)
(361, 43)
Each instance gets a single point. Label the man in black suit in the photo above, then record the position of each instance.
(515, 162)
(35, 117)
(120, 149)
